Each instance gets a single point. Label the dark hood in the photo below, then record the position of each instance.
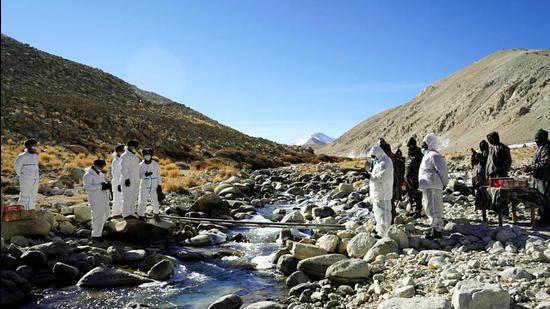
(493, 138)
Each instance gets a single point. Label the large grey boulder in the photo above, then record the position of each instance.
(472, 294)
(415, 303)
(137, 231)
(516, 273)
(212, 205)
(348, 272)
(110, 277)
(359, 245)
(315, 267)
(329, 242)
(38, 227)
(162, 271)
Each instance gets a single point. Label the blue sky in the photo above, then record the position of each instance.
(280, 69)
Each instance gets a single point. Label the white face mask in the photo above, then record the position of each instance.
(148, 157)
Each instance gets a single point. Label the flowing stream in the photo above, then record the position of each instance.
(196, 284)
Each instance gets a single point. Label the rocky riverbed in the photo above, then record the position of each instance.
(49, 261)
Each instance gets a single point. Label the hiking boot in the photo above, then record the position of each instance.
(156, 217)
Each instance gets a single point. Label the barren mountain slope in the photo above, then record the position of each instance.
(63, 102)
(508, 91)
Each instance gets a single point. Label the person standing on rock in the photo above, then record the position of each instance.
(540, 169)
(412, 165)
(98, 196)
(381, 189)
(396, 176)
(150, 184)
(479, 162)
(432, 178)
(499, 160)
(116, 171)
(129, 179)
(27, 170)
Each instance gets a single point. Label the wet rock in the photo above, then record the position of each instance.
(287, 264)
(304, 251)
(65, 274)
(348, 272)
(13, 288)
(415, 303)
(162, 271)
(134, 305)
(133, 255)
(294, 217)
(25, 271)
(231, 301)
(328, 242)
(110, 277)
(212, 205)
(265, 305)
(296, 278)
(360, 244)
(34, 259)
(472, 294)
(381, 247)
(211, 237)
(53, 248)
(43, 279)
(316, 267)
(186, 255)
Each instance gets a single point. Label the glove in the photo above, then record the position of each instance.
(159, 189)
(147, 174)
(119, 188)
(106, 186)
(127, 182)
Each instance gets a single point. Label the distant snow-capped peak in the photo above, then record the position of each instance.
(315, 139)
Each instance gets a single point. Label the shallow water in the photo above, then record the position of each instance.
(196, 284)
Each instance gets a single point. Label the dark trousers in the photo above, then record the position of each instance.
(415, 198)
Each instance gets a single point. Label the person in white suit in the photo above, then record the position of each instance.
(26, 167)
(116, 171)
(150, 184)
(98, 196)
(432, 178)
(381, 189)
(129, 179)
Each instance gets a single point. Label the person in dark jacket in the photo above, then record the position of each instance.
(414, 158)
(397, 174)
(540, 169)
(479, 162)
(499, 160)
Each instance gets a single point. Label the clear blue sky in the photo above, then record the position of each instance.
(280, 69)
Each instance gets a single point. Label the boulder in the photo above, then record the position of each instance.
(206, 238)
(55, 247)
(77, 174)
(505, 234)
(381, 247)
(407, 291)
(20, 241)
(265, 305)
(345, 188)
(323, 212)
(133, 255)
(287, 264)
(328, 242)
(231, 301)
(82, 212)
(415, 303)
(359, 245)
(66, 228)
(78, 149)
(212, 205)
(38, 227)
(137, 231)
(348, 272)
(472, 294)
(11, 294)
(293, 217)
(65, 274)
(399, 235)
(162, 271)
(34, 259)
(296, 278)
(516, 273)
(316, 267)
(110, 277)
(303, 251)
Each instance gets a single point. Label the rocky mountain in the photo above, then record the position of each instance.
(314, 139)
(507, 91)
(60, 101)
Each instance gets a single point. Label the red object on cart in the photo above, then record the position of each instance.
(502, 182)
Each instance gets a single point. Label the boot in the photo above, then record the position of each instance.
(156, 217)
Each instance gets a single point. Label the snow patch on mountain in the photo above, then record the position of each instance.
(315, 139)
